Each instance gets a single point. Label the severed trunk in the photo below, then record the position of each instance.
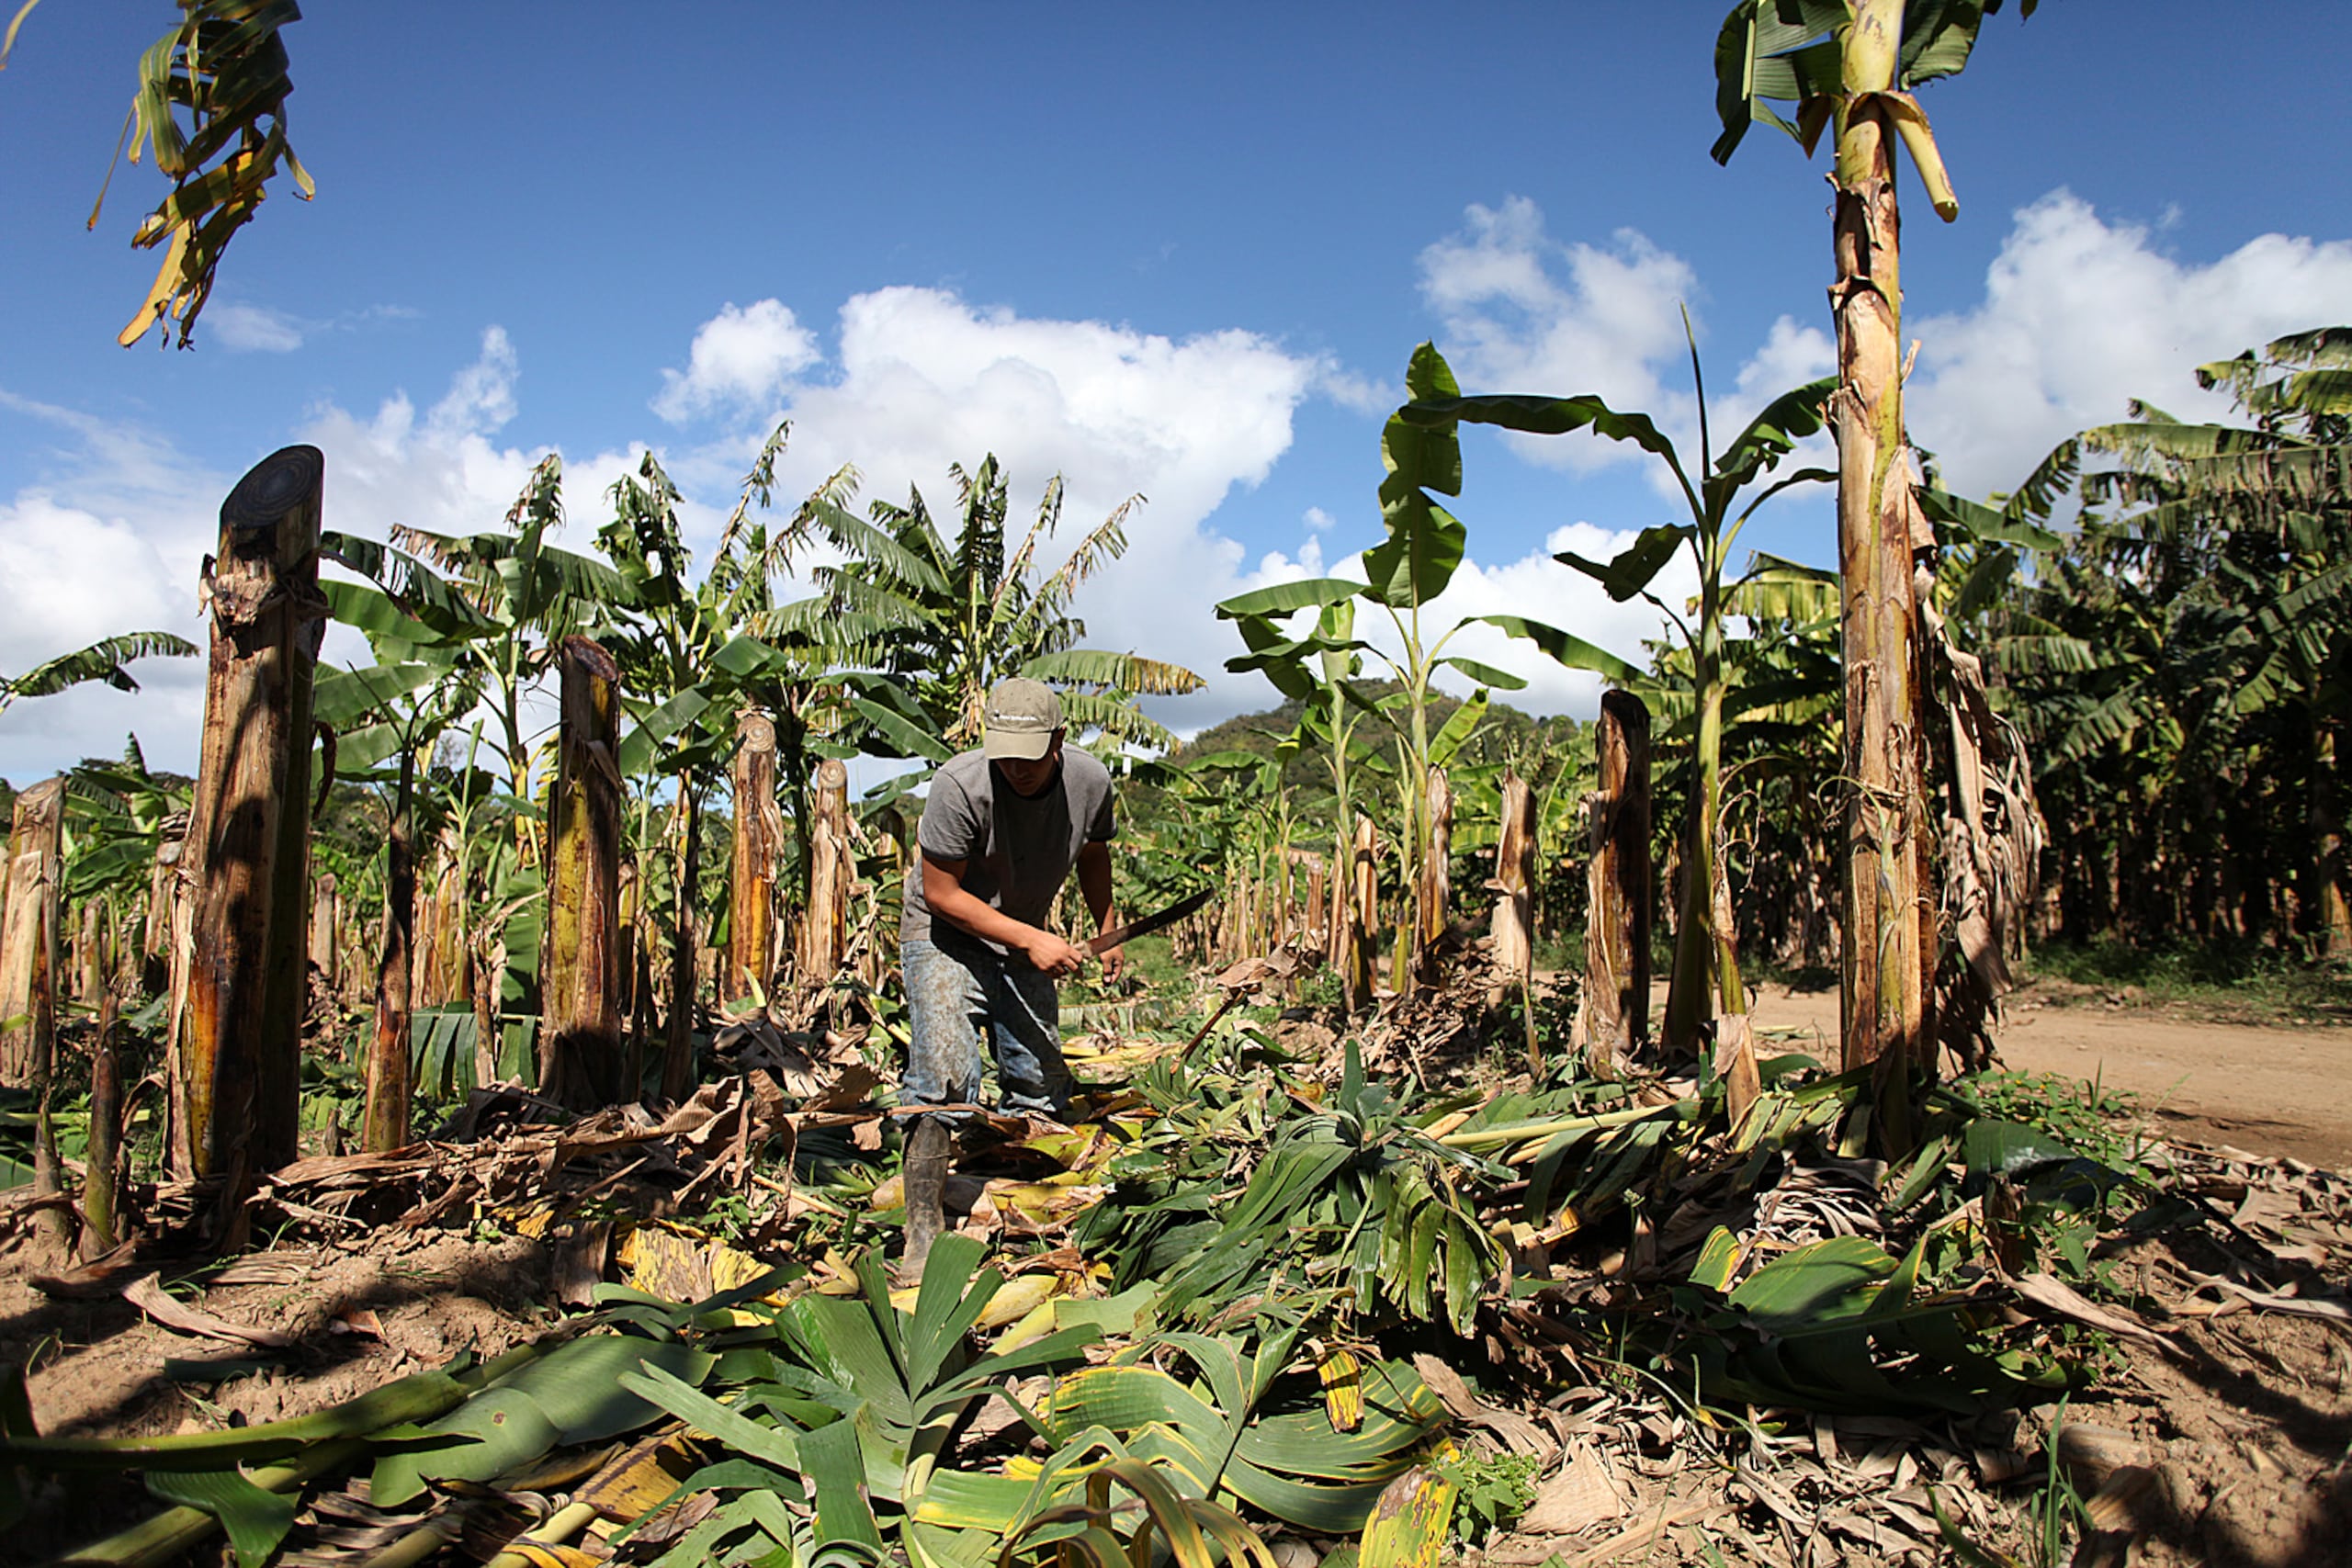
(579, 1059)
(824, 927)
(1316, 920)
(326, 925)
(1884, 908)
(1430, 895)
(90, 963)
(489, 963)
(29, 947)
(29, 952)
(384, 1124)
(1513, 924)
(1612, 1018)
(1361, 909)
(759, 844)
(678, 1047)
(247, 853)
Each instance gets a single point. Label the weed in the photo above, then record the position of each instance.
(1488, 1491)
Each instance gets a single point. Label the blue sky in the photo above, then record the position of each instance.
(1184, 251)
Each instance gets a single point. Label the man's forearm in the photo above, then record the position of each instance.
(969, 912)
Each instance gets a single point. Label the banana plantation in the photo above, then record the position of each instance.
(468, 1120)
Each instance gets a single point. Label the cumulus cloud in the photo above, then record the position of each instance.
(2080, 314)
(116, 543)
(1525, 312)
(1535, 586)
(741, 358)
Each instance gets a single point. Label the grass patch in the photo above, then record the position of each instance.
(2232, 982)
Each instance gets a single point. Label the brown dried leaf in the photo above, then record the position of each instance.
(147, 1295)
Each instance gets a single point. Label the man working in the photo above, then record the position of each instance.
(1001, 830)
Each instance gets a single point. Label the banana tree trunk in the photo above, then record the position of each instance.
(29, 935)
(1437, 861)
(824, 927)
(1612, 1025)
(759, 834)
(678, 1049)
(580, 1062)
(1361, 911)
(384, 1124)
(90, 955)
(248, 840)
(101, 1178)
(1706, 981)
(1883, 990)
(326, 908)
(2335, 923)
(1513, 921)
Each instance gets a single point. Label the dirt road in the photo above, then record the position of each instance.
(2270, 1091)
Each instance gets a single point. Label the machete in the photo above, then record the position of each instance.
(1097, 946)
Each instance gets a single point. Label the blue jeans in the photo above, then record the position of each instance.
(952, 996)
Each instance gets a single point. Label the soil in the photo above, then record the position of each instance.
(2226, 1443)
(2273, 1090)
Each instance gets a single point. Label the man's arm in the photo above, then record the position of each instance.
(1094, 883)
(945, 892)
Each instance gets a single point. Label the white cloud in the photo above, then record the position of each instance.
(741, 358)
(1607, 327)
(1523, 312)
(2080, 315)
(253, 329)
(1534, 586)
(1319, 521)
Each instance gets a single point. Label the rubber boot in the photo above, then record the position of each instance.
(926, 1177)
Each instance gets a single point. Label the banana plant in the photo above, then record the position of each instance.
(395, 710)
(948, 620)
(1847, 67)
(1406, 570)
(1706, 956)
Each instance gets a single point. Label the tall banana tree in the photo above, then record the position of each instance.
(947, 621)
(1706, 956)
(1848, 66)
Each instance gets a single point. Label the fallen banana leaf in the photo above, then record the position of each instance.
(421, 1396)
(256, 1519)
(578, 1393)
(1407, 1529)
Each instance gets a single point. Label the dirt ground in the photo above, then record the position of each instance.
(2270, 1091)
(2219, 1436)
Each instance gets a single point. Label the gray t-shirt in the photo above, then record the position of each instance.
(1017, 852)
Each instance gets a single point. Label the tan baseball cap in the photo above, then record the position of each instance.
(1020, 720)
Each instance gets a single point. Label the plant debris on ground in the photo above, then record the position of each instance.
(1257, 1303)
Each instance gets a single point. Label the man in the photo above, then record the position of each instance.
(1002, 829)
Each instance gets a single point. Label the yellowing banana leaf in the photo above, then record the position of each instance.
(1342, 1378)
(639, 1479)
(1408, 1528)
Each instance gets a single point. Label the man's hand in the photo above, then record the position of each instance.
(1051, 955)
(1114, 965)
